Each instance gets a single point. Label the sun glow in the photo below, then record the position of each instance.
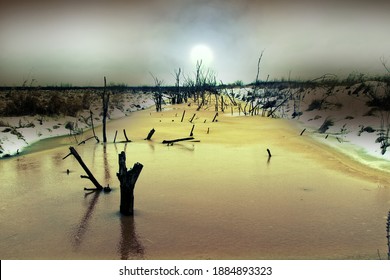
(201, 53)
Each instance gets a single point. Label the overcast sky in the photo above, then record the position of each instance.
(79, 42)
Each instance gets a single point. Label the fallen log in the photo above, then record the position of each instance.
(89, 173)
(177, 140)
(127, 179)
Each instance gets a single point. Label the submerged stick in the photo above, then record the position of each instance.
(177, 140)
(303, 131)
(127, 139)
(81, 162)
(192, 118)
(83, 142)
(182, 117)
(214, 119)
(116, 133)
(150, 134)
(192, 130)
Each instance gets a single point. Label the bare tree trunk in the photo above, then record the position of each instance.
(256, 81)
(127, 179)
(106, 100)
(179, 98)
(157, 96)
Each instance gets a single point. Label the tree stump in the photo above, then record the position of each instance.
(127, 179)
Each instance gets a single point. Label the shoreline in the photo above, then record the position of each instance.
(352, 152)
(23, 132)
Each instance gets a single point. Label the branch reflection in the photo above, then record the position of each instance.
(83, 225)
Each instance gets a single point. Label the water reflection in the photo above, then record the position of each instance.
(185, 147)
(129, 245)
(83, 225)
(107, 174)
(57, 160)
(23, 164)
(151, 145)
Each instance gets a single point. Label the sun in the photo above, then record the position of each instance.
(201, 53)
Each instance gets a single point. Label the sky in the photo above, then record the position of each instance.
(79, 42)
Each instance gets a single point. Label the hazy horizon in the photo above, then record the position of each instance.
(79, 42)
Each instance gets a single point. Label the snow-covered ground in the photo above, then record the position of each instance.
(354, 126)
(16, 133)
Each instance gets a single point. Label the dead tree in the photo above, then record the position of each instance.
(384, 64)
(198, 82)
(256, 82)
(190, 89)
(89, 173)
(105, 100)
(157, 96)
(127, 179)
(177, 99)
